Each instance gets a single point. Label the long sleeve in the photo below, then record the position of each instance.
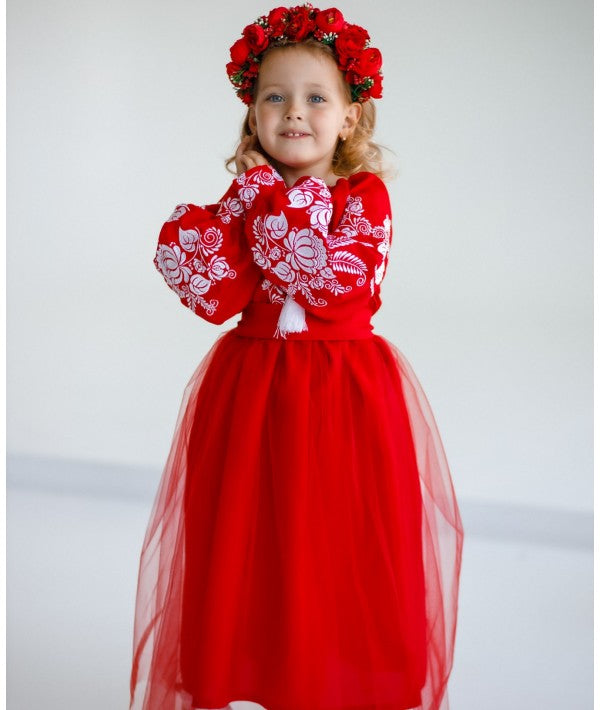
(324, 255)
(204, 257)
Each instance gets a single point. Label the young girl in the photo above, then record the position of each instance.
(305, 543)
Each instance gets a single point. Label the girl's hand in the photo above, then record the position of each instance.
(246, 157)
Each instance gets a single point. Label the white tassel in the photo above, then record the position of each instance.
(291, 318)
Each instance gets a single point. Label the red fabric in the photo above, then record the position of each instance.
(304, 547)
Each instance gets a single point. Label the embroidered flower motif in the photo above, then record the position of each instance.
(320, 216)
(314, 197)
(250, 184)
(191, 265)
(274, 291)
(259, 258)
(218, 268)
(354, 205)
(284, 271)
(231, 207)
(307, 263)
(306, 251)
(169, 261)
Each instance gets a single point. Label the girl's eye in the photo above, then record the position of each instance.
(316, 99)
(275, 98)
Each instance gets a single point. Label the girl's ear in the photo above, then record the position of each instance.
(252, 118)
(352, 118)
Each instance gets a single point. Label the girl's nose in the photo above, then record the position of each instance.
(293, 113)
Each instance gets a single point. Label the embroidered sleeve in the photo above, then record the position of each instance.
(296, 245)
(204, 258)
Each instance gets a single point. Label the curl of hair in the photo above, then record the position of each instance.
(358, 152)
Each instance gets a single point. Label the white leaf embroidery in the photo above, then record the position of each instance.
(300, 198)
(348, 262)
(276, 226)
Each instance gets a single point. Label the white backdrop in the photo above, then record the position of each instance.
(117, 111)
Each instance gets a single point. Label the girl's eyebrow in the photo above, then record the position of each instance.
(309, 87)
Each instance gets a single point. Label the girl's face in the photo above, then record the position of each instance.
(300, 110)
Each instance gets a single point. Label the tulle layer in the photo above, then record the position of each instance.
(304, 547)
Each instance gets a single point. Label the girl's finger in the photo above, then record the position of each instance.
(242, 146)
(258, 158)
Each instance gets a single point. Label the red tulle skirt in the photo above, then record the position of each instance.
(304, 547)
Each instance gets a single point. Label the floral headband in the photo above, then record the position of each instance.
(359, 62)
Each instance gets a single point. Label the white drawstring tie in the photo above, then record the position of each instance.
(291, 319)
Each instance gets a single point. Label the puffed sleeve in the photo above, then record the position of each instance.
(323, 256)
(204, 257)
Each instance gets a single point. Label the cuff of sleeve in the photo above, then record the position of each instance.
(258, 180)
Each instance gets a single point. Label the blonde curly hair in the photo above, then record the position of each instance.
(358, 152)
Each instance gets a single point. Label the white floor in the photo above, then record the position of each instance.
(524, 639)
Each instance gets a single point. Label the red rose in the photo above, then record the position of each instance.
(330, 20)
(346, 62)
(233, 68)
(300, 24)
(247, 99)
(256, 37)
(278, 21)
(350, 43)
(368, 62)
(240, 50)
(354, 78)
(375, 92)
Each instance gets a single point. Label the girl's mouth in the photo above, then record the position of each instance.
(294, 134)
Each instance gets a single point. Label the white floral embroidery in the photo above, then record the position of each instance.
(320, 216)
(300, 197)
(275, 292)
(188, 239)
(178, 212)
(199, 285)
(218, 268)
(210, 241)
(231, 207)
(284, 271)
(277, 226)
(306, 251)
(379, 272)
(307, 262)
(250, 184)
(169, 261)
(315, 198)
(191, 265)
(383, 236)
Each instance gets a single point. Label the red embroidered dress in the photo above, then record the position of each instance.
(304, 547)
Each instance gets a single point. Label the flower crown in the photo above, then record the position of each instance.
(359, 62)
